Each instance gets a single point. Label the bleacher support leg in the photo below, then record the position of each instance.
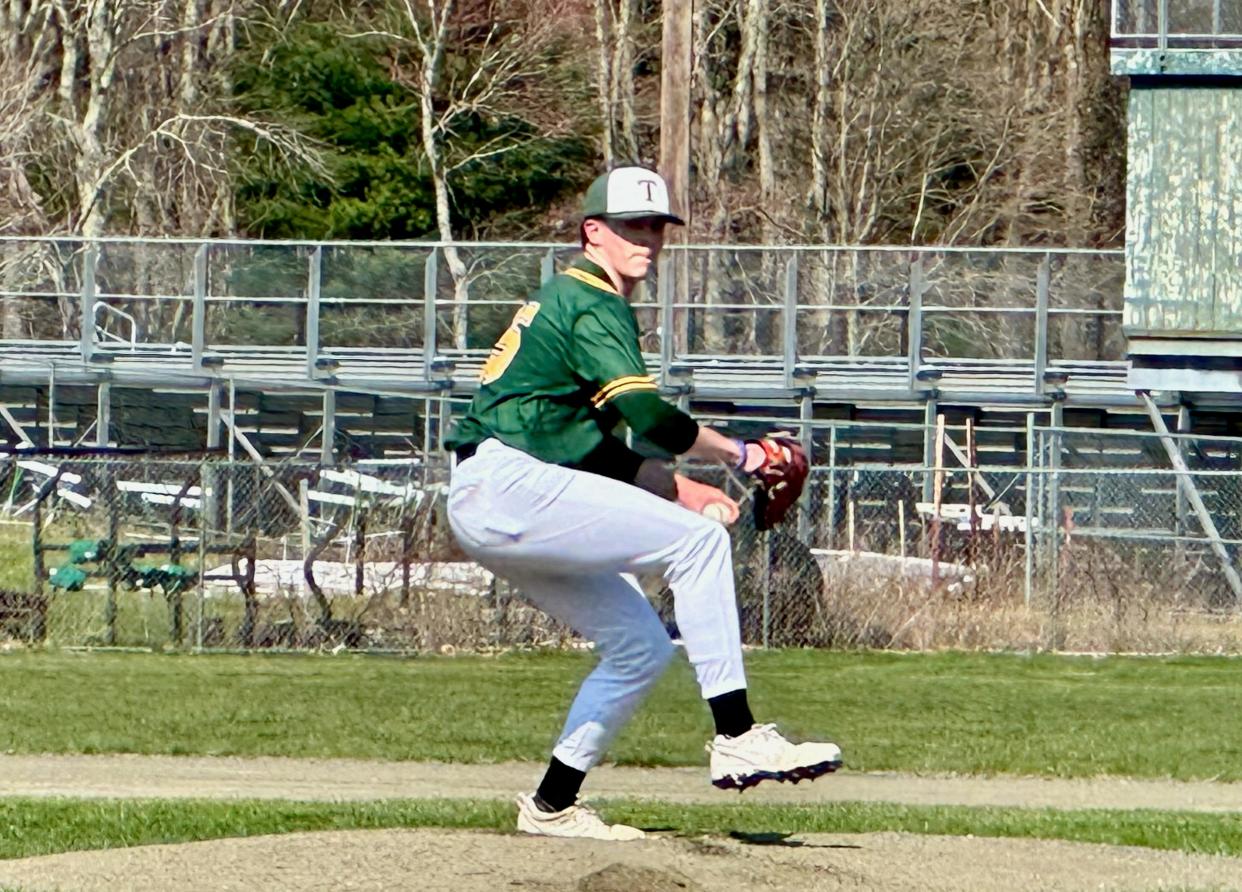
(1187, 485)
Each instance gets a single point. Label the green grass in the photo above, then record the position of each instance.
(16, 557)
(45, 826)
(946, 712)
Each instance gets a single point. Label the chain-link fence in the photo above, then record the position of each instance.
(1083, 540)
(207, 553)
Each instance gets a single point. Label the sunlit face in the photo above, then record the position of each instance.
(625, 247)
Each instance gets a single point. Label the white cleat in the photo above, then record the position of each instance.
(760, 754)
(575, 822)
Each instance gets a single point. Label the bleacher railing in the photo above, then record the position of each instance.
(782, 308)
(1180, 23)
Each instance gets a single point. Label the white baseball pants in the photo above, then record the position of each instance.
(572, 543)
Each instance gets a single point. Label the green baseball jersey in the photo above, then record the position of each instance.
(549, 384)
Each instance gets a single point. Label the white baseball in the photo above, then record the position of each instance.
(716, 511)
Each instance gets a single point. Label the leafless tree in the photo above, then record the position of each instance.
(615, 25)
(898, 121)
(870, 121)
(504, 66)
(125, 98)
(115, 120)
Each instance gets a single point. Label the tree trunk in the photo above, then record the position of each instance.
(623, 78)
(762, 325)
(821, 109)
(603, 77)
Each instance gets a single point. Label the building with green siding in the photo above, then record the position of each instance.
(1183, 290)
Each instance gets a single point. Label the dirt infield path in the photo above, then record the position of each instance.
(464, 861)
(346, 779)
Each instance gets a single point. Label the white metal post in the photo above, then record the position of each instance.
(806, 414)
(831, 513)
(1029, 535)
(314, 277)
(914, 321)
(211, 483)
(790, 319)
(1042, 288)
(664, 294)
(327, 441)
(430, 275)
(90, 262)
(103, 413)
(198, 325)
(51, 406)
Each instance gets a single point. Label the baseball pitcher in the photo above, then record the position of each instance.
(544, 495)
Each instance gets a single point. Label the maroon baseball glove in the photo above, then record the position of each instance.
(781, 478)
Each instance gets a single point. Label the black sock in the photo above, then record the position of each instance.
(559, 788)
(732, 713)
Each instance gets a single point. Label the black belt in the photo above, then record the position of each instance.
(466, 451)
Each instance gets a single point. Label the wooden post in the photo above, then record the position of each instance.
(901, 527)
(360, 557)
(678, 39)
(972, 459)
(674, 165)
(304, 523)
(849, 524)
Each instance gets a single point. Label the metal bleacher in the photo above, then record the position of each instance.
(378, 342)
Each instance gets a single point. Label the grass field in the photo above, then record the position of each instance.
(947, 712)
(40, 826)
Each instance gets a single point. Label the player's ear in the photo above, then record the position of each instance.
(592, 227)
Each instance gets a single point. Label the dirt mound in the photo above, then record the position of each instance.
(627, 878)
(464, 861)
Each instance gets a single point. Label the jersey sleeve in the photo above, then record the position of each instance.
(606, 355)
(605, 352)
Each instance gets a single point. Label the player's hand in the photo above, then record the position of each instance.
(697, 496)
(781, 472)
(760, 455)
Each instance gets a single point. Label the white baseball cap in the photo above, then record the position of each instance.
(629, 193)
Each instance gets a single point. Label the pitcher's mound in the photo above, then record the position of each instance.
(466, 861)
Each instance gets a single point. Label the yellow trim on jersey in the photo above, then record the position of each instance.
(628, 388)
(627, 384)
(605, 393)
(594, 281)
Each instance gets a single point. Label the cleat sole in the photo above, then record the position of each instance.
(745, 782)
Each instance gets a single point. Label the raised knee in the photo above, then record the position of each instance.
(645, 656)
(662, 651)
(656, 651)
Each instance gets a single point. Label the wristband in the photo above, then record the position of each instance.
(741, 448)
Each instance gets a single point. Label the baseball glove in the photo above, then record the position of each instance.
(781, 477)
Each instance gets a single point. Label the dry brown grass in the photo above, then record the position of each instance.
(1109, 596)
(1097, 601)
(1100, 599)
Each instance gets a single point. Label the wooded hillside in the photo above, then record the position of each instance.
(975, 122)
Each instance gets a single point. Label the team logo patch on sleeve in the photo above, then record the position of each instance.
(623, 385)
